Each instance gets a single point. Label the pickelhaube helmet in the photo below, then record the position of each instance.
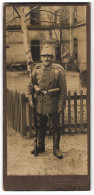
(46, 50)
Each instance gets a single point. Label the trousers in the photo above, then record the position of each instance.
(42, 126)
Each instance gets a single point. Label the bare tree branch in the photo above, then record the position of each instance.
(64, 18)
(16, 11)
(12, 20)
(9, 22)
(31, 10)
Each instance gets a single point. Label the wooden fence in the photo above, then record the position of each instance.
(20, 113)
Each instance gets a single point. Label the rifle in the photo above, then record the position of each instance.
(50, 92)
(35, 126)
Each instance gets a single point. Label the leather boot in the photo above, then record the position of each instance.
(41, 140)
(40, 150)
(56, 140)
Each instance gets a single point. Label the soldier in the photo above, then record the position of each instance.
(47, 77)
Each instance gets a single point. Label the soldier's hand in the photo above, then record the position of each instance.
(44, 92)
(31, 104)
(37, 89)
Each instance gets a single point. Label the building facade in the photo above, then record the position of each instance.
(64, 27)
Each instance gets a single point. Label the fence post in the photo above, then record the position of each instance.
(75, 110)
(69, 111)
(81, 109)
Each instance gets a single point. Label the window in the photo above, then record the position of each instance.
(75, 48)
(35, 17)
(75, 15)
(57, 53)
(35, 50)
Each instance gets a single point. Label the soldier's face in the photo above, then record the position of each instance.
(46, 59)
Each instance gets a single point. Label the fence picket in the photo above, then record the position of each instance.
(13, 117)
(18, 118)
(81, 109)
(7, 105)
(15, 123)
(86, 104)
(75, 110)
(23, 115)
(17, 112)
(69, 111)
(20, 114)
(12, 109)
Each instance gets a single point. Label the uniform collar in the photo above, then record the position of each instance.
(48, 68)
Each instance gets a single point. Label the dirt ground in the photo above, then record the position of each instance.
(74, 147)
(21, 162)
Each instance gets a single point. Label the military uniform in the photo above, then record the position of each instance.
(46, 78)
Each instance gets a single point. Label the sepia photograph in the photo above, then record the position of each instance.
(46, 93)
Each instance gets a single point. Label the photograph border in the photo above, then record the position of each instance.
(43, 182)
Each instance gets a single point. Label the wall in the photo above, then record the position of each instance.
(80, 34)
(81, 14)
(16, 51)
